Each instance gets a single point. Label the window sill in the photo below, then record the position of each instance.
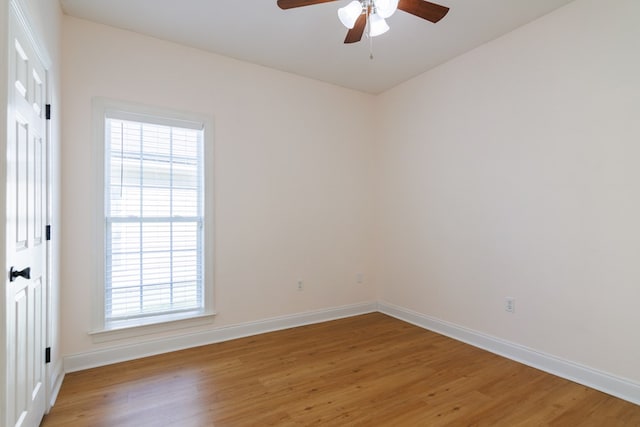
(143, 327)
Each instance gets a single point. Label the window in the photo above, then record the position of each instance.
(154, 217)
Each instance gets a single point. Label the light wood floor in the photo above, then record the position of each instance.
(369, 370)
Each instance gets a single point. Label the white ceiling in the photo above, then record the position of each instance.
(309, 40)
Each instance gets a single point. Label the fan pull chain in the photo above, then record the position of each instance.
(369, 32)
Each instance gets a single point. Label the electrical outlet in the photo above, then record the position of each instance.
(510, 304)
(359, 278)
(300, 285)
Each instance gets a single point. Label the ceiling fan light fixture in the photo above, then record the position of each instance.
(368, 16)
(349, 14)
(386, 8)
(377, 25)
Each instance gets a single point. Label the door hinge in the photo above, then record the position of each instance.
(47, 232)
(47, 111)
(47, 355)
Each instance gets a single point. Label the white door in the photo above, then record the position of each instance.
(26, 245)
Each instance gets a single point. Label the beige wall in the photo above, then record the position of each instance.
(293, 171)
(513, 171)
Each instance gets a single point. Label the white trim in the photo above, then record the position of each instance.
(56, 382)
(105, 107)
(4, 134)
(23, 15)
(171, 323)
(607, 383)
(123, 353)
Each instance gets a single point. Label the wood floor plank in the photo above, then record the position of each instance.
(369, 370)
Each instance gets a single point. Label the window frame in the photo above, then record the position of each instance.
(103, 108)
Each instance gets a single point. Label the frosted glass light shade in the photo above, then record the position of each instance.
(386, 8)
(377, 25)
(349, 14)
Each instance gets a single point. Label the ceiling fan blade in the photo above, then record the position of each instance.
(355, 34)
(424, 9)
(290, 4)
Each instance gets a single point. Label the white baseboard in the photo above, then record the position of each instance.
(618, 387)
(78, 362)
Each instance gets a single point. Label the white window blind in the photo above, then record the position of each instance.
(153, 218)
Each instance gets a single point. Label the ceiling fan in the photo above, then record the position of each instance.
(358, 13)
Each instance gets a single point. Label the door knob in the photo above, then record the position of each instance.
(26, 273)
